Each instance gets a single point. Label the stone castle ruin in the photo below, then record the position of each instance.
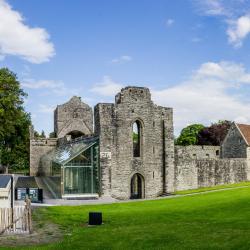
(128, 151)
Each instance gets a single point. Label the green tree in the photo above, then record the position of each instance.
(14, 122)
(43, 134)
(189, 135)
(214, 134)
(52, 135)
(37, 135)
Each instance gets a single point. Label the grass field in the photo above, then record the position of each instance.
(216, 220)
(218, 187)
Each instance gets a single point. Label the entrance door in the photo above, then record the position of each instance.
(137, 187)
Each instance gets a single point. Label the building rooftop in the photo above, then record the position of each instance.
(26, 182)
(245, 130)
(4, 180)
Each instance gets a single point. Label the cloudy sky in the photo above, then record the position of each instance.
(194, 55)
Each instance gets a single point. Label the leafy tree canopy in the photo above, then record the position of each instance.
(197, 134)
(215, 134)
(37, 135)
(14, 122)
(189, 134)
(52, 135)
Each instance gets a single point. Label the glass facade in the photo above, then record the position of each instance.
(56, 169)
(81, 174)
(78, 166)
(78, 180)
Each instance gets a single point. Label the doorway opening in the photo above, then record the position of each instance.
(137, 187)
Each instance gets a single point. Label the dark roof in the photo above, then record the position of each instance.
(4, 180)
(245, 131)
(26, 182)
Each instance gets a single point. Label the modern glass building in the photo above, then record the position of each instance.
(77, 165)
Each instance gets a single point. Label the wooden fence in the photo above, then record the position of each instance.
(16, 220)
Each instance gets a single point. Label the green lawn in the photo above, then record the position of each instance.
(218, 187)
(216, 220)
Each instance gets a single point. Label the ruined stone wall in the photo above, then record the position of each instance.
(168, 148)
(234, 145)
(156, 163)
(104, 127)
(248, 162)
(197, 152)
(38, 148)
(196, 173)
(73, 115)
(186, 174)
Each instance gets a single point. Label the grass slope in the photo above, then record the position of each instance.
(218, 220)
(218, 187)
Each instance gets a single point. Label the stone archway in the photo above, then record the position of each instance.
(137, 187)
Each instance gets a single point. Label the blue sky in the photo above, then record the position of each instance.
(193, 55)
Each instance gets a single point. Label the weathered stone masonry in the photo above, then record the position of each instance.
(114, 126)
(202, 166)
(38, 148)
(73, 118)
(196, 173)
(160, 167)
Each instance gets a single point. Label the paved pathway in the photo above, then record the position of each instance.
(109, 200)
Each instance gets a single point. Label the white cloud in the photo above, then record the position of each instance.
(238, 30)
(107, 87)
(230, 73)
(215, 91)
(121, 59)
(233, 13)
(213, 7)
(169, 22)
(40, 84)
(55, 87)
(205, 97)
(18, 39)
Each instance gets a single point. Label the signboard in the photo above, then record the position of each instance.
(21, 193)
(105, 155)
(33, 194)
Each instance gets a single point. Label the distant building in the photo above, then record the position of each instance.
(237, 142)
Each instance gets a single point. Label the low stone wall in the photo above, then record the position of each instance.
(197, 152)
(196, 173)
(38, 148)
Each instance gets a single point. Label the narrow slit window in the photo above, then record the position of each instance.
(136, 139)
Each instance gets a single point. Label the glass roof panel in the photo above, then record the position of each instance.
(67, 152)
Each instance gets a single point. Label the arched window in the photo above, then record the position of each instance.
(137, 139)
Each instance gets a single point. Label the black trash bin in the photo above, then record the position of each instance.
(95, 218)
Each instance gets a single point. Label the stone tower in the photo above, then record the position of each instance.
(144, 167)
(74, 118)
